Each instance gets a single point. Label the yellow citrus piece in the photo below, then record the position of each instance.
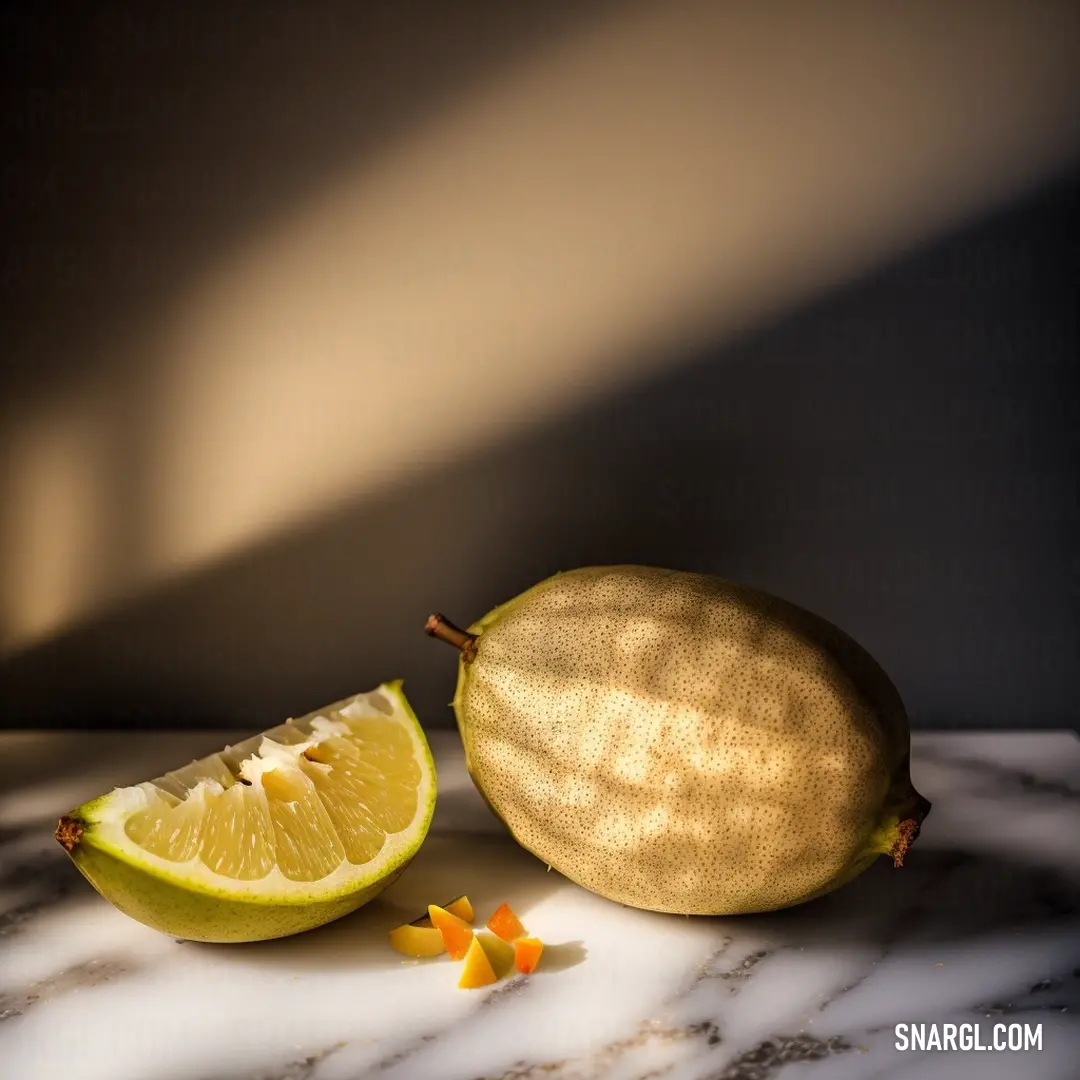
(527, 952)
(281, 833)
(456, 932)
(459, 906)
(413, 940)
(500, 954)
(477, 970)
(462, 907)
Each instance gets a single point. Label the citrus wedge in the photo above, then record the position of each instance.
(456, 933)
(417, 941)
(527, 952)
(505, 923)
(281, 833)
(477, 970)
(462, 907)
(500, 954)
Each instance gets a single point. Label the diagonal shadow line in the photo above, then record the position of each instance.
(141, 143)
(809, 458)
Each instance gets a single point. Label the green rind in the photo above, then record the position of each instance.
(478, 628)
(193, 911)
(876, 846)
(493, 615)
(196, 916)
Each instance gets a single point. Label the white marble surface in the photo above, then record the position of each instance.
(982, 925)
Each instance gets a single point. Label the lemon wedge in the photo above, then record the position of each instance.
(278, 834)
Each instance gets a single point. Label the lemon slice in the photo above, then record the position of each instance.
(281, 833)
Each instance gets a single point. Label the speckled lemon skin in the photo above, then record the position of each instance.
(194, 916)
(679, 743)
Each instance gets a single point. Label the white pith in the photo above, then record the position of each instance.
(256, 757)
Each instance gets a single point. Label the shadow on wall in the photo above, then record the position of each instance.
(901, 457)
(149, 141)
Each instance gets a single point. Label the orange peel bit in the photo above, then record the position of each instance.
(461, 906)
(477, 970)
(456, 933)
(505, 923)
(413, 940)
(527, 952)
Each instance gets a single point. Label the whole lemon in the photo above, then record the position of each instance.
(680, 743)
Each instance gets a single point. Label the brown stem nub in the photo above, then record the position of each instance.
(68, 833)
(909, 830)
(911, 808)
(438, 626)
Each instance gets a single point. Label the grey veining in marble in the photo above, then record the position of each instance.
(981, 926)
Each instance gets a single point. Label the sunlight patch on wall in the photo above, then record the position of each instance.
(51, 528)
(679, 170)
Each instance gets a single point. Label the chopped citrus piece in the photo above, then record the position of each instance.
(477, 968)
(527, 952)
(506, 924)
(459, 906)
(499, 953)
(462, 907)
(456, 932)
(417, 940)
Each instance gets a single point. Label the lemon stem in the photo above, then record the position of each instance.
(438, 626)
(912, 811)
(907, 831)
(68, 833)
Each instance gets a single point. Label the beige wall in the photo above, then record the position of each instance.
(649, 175)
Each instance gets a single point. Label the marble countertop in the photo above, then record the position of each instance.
(981, 926)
